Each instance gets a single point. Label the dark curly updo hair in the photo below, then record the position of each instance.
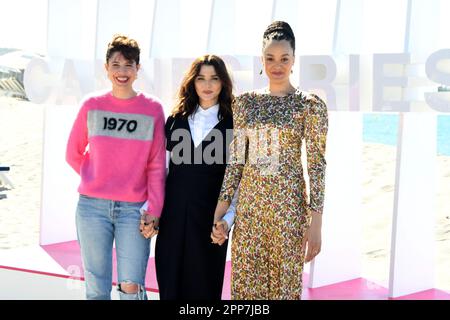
(128, 47)
(279, 30)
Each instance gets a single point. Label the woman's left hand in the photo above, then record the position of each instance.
(313, 237)
(149, 225)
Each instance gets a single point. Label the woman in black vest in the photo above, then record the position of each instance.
(188, 265)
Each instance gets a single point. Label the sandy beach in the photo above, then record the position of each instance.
(378, 203)
(21, 138)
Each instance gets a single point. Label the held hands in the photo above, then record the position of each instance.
(313, 238)
(149, 225)
(219, 232)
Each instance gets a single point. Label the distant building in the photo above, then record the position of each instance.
(12, 67)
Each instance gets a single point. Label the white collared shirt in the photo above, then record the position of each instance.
(202, 121)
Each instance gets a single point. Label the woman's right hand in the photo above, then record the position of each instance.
(219, 232)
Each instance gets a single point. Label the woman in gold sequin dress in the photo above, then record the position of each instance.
(275, 221)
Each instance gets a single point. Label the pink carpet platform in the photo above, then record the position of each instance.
(67, 255)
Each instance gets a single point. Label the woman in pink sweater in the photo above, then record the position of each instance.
(117, 146)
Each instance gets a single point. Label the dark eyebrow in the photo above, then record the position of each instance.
(271, 55)
(127, 61)
(201, 75)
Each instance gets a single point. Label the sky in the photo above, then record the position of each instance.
(23, 24)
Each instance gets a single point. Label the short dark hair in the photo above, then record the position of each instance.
(128, 47)
(187, 96)
(279, 30)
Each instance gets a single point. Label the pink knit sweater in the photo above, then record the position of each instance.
(117, 146)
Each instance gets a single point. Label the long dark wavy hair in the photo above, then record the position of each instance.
(188, 99)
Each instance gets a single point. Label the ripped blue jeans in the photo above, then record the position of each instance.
(99, 222)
